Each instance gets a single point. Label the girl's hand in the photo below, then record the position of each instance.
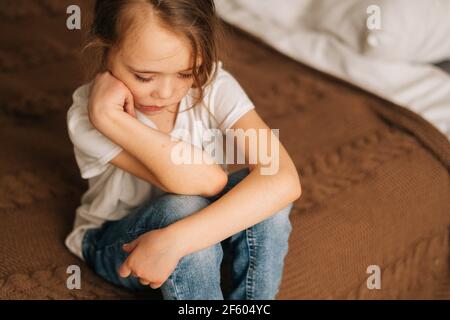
(153, 257)
(109, 94)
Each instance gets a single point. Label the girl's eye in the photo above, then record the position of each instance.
(181, 75)
(139, 78)
(186, 75)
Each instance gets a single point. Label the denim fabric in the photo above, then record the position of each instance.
(257, 253)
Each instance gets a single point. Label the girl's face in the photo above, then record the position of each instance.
(156, 66)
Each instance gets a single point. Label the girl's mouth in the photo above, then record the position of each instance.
(151, 108)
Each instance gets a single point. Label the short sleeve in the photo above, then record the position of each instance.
(228, 101)
(92, 149)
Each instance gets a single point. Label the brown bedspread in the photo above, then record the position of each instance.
(375, 178)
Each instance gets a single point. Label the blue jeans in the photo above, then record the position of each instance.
(257, 253)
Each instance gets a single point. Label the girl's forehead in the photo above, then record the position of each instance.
(154, 48)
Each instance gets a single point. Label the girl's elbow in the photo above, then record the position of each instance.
(297, 190)
(215, 185)
(294, 186)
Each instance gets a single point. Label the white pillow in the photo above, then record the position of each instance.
(411, 30)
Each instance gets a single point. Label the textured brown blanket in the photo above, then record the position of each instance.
(375, 177)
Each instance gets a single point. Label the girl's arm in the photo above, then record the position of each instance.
(155, 254)
(251, 201)
(153, 149)
(125, 161)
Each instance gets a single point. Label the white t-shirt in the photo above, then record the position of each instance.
(112, 192)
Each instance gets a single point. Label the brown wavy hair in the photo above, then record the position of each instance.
(196, 20)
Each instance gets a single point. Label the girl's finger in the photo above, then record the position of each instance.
(128, 247)
(124, 270)
(129, 105)
(144, 281)
(155, 285)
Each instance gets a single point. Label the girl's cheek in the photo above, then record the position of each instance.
(137, 90)
(139, 94)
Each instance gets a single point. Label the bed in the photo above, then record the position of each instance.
(375, 175)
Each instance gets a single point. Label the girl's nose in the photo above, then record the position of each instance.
(164, 90)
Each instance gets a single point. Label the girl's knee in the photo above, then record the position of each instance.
(278, 224)
(174, 207)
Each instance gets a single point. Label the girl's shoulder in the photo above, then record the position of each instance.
(81, 94)
(225, 99)
(80, 99)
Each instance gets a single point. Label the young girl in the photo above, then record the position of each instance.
(147, 221)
